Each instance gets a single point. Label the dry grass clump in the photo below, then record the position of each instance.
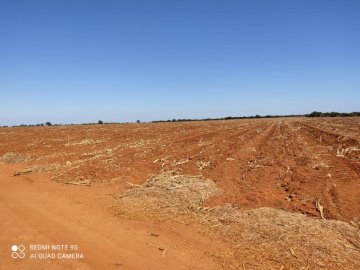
(12, 158)
(263, 238)
(170, 192)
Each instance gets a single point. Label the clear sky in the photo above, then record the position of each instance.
(81, 61)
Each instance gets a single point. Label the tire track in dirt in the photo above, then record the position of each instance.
(261, 169)
(338, 145)
(310, 176)
(339, 179)
(307, 177)
(231, 174)
(282, 171)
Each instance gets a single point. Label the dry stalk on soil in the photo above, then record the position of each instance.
(341, 152)
(320, 208)
(38, 168)
(79, 183)
(203, 164)
(84, 142)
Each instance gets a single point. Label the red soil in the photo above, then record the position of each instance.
(281, 163)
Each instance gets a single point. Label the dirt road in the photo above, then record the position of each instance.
(36, 211)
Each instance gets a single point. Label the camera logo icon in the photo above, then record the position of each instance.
(18, 251)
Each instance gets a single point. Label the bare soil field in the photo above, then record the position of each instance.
(240, 194)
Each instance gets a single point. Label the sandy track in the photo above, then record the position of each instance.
(34, 210)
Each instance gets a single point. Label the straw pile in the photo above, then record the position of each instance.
(169, 192)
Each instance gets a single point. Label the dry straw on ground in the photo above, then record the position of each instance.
(12, 158)
(264, 238)
(175, 193)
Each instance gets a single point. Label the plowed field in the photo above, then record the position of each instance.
(282, 163)
(296, 164)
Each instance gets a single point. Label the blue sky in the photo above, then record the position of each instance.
(81, 61)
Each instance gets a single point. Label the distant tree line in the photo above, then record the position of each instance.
(228, 118)
(313, 114)
(35, 125)
(100, 122)
(332, 114)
